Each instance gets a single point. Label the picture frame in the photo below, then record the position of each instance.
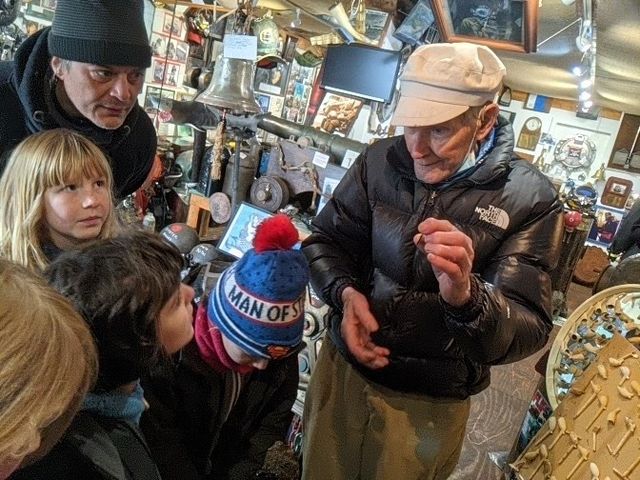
(172, 25)
(272, 80)
(616, 192)
(537, 103)
(499, 24)
(625, 154)
(605, 225)
(337, 114)
(298, 92)
(238, 236)
(376, 24)
(414, 26)
(158, 93)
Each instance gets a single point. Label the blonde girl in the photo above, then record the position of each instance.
(56, 193)
(47, 364)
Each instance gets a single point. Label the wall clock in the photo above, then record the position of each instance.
(530, 133)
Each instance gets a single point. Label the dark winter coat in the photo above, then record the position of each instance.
(95, 448)
(26, 93)
(627, 239)
(364, 238)
(184, 427)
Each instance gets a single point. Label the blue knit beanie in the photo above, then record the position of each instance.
(258, 302)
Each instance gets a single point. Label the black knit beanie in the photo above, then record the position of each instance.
(101, 32)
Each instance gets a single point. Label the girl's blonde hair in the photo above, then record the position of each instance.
(48, 361)
(44, 160)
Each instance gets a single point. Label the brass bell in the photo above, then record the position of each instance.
(599, 175)
(231, 87)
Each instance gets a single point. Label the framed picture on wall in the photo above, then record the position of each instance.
(616, 192)
(414, 26)
(272, 80)
(376, 24)
(500, 24)
(337, 114)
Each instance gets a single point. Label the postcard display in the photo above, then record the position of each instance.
(164, 79)
(593, 432)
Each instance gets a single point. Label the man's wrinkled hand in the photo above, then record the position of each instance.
(357, 326)
(450, 253)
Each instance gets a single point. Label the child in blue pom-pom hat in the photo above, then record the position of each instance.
(217, 409)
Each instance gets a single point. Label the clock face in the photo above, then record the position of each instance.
(533, 123)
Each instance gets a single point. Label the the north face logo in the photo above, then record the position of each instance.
(494, 215)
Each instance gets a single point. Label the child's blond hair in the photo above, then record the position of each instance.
(43, 160)
(47, 361)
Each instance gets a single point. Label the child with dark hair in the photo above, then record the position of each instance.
(228, 397)
(128, 290)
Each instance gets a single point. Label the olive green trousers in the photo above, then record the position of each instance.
(357, 430)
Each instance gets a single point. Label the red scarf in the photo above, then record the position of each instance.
(210, 346)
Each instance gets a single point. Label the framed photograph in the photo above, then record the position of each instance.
(157, 70)
(538, 103)
(158, 45)
(238, 237)
(155, 93)
(616, 192)
(298, 92)
(172, 25)
(501, 24)
(337, 114)
(414, 26)
(173, 74)
(289, 51)
(376, 23)
(604, 226)
(626, 149)
(272, 80)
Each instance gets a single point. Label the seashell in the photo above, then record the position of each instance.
(636, 386)
(531, 455)
(595, 471)
(624, 392)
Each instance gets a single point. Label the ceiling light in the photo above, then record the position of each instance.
(584, 96)
(586, 83)
(577, 70)
(296, 22)
(587, 104)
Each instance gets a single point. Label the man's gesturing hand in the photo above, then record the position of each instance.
(357, 326)
(450, 253)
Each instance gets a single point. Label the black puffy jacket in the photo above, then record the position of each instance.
(363, 238)
(25, 84)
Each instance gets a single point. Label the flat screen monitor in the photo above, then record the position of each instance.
(361, 71)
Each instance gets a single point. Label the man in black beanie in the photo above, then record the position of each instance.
(84, 73)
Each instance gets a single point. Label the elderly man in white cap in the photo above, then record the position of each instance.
(434, 254)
